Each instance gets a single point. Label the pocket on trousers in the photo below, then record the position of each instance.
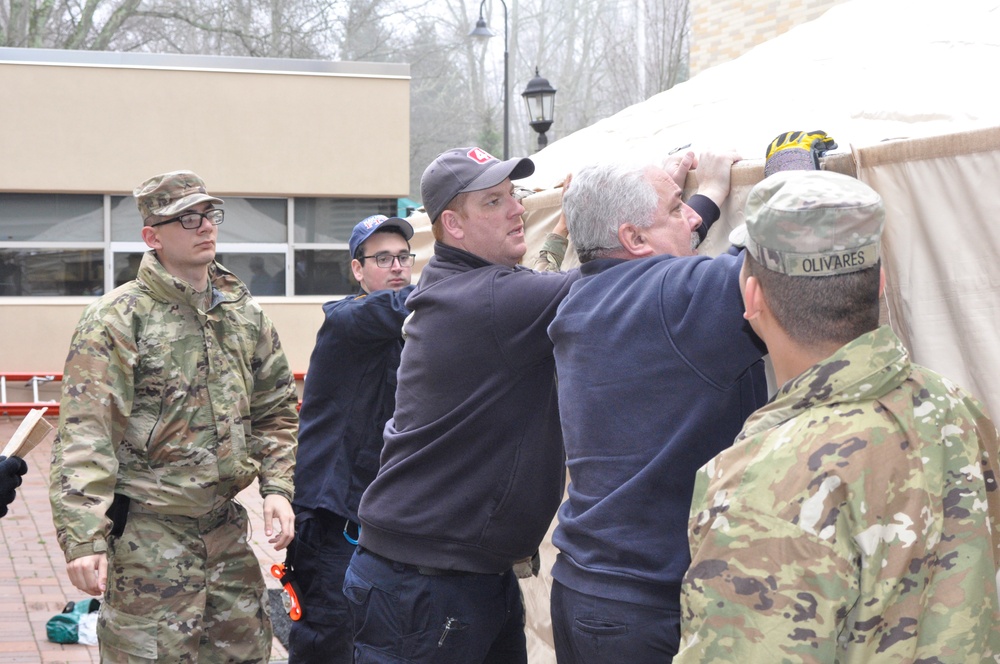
(375, 613)
(356, 589)
(599, 627)
(133, 635)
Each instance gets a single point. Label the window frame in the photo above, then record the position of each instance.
(287, 249)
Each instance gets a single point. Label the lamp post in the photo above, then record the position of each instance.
(483, 30)
(540, 98)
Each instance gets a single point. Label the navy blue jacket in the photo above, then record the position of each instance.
(472, 468)
(349, 393)
(657, 372)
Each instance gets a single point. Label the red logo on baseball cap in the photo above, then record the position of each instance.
(480, 155)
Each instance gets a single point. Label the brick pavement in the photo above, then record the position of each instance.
(33, 581)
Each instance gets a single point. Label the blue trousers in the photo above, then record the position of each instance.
(402, 614)
(593, 630)
(320, 555)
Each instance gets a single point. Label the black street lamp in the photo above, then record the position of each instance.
(540, 98)
(483, 30)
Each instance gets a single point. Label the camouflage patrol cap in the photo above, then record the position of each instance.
(170, 194)
(812, 224)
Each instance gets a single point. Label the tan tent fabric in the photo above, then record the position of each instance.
(941, 252)
(538, 623)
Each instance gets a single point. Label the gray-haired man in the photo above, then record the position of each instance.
(657, 371)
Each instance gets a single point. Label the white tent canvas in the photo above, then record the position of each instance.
(865, 72)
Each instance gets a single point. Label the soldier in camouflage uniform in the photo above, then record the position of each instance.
(856, 518)
(176, 396)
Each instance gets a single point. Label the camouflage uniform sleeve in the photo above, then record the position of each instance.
(743, 601)
(804, 553)
(96, 399)
(552, 253)
(273, 412)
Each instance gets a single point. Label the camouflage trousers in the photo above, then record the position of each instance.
(183, 589)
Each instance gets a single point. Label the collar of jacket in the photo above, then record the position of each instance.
(163, 286)
(599, 265)
(445, 254)
(864, 369)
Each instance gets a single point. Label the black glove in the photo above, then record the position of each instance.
(11, 469)
(797, 151)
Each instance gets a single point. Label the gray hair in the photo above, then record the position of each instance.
(600, 199)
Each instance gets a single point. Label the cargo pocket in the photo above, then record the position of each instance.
(375, 635)
(373, 614)
(356, 591)
(125, 633)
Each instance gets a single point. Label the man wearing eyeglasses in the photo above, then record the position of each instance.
(350, 392)
(176, 396)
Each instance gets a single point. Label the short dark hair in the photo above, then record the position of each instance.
(820, 310)
(360, 251)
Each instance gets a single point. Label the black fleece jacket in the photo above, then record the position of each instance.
(472, 468)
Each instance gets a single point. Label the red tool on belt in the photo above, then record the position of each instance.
(283, 572)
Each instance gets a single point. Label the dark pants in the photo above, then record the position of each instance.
(320, 555)
(593, 630)
(405, 614)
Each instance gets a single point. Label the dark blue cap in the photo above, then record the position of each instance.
(368, 225)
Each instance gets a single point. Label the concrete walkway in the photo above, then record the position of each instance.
(33, 582)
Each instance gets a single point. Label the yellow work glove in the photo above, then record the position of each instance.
(797, 151)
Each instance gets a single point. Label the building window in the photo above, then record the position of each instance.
(323, 271)
(264, 274)
(126, 267)
(58, 219)
(322, 241)
(52, 245)
(51, 272)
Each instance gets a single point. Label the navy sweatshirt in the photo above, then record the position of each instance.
(472, 468)
(349, 393)
(657, 372)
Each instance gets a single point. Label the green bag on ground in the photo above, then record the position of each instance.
(65, 627)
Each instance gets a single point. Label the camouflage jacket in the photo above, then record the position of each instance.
(550, 256)
(855, 519)
(177, 407)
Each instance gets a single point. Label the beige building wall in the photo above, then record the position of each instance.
(722, 30)
(104, 122)
(35, 336)
(101, 123)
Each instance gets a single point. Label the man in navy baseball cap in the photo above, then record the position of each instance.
(349, 393)
(364, 229)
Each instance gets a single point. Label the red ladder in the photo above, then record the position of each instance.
(33, 380)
